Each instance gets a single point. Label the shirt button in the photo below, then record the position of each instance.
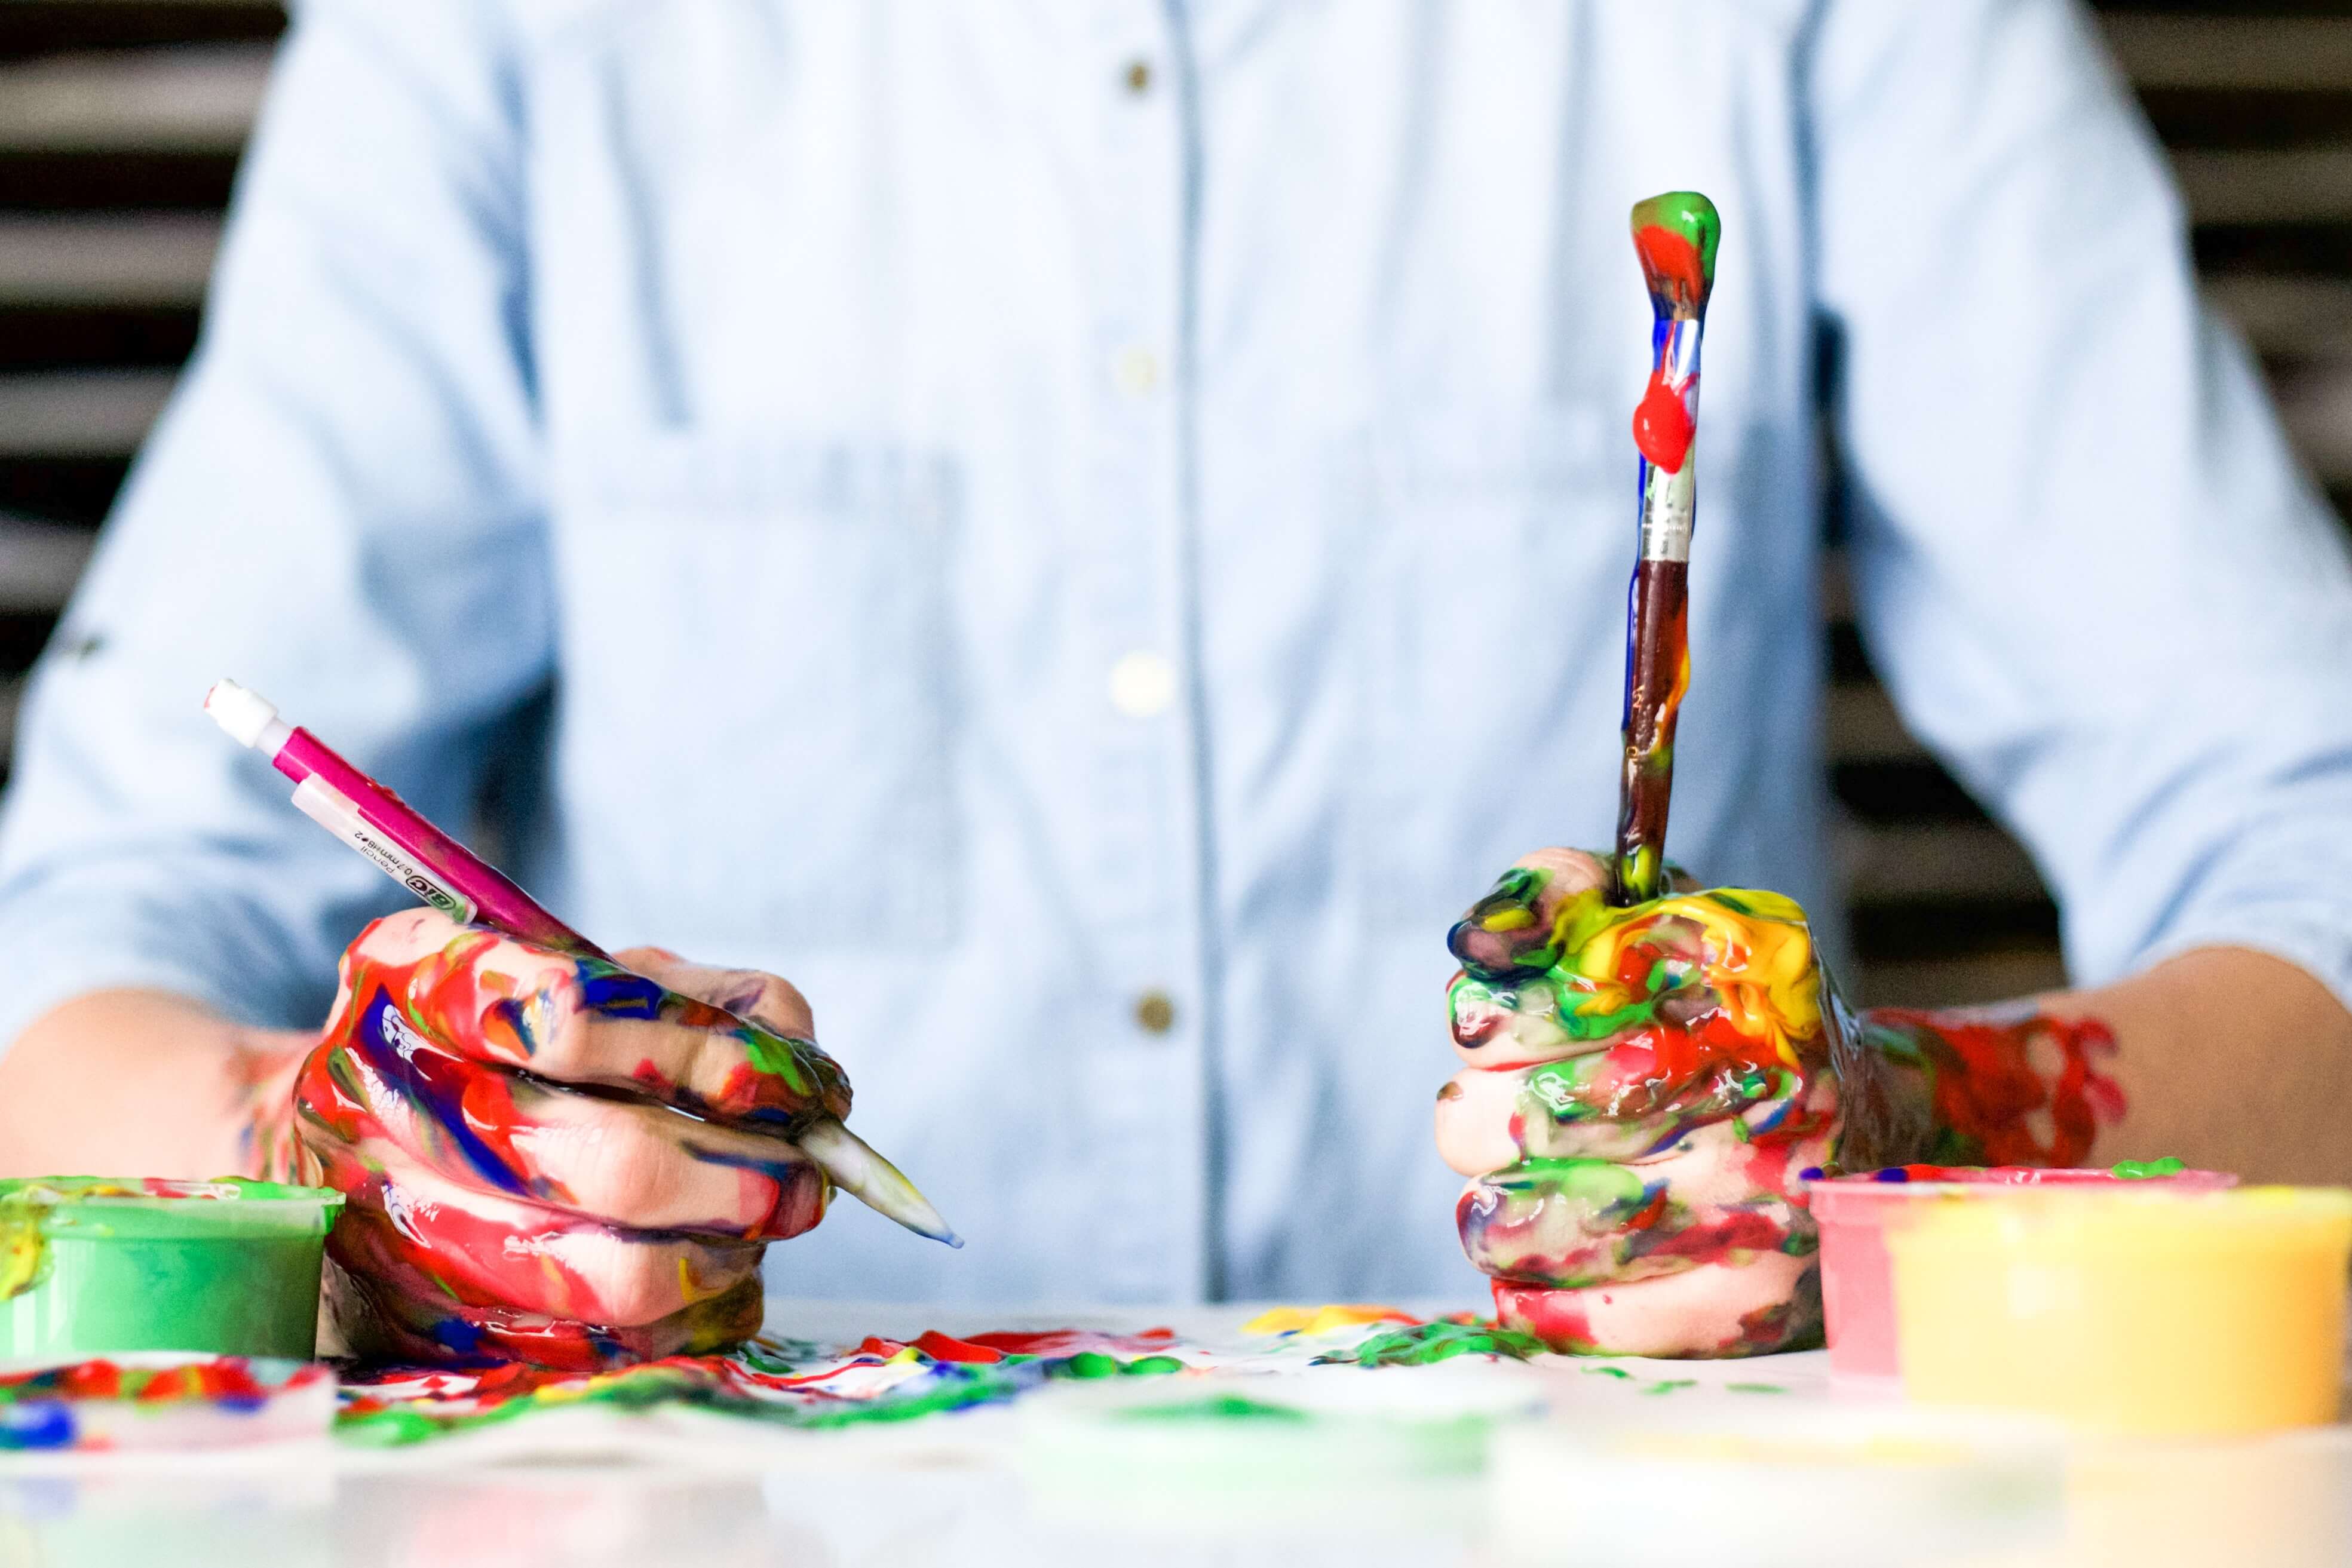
(1135, 370)
(1137, 77)
(1142, 686)
(1155, 1013)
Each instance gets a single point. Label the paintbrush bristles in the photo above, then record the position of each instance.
(1676, 235)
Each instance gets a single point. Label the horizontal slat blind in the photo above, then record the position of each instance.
(120, 123)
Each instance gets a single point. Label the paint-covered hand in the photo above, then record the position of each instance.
(552, 1158)
(1644, 1086)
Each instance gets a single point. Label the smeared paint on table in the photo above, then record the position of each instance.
(793, 1385)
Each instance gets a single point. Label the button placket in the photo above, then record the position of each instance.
(1144, 1057)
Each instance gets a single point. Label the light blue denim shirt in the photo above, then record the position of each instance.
(994, 511)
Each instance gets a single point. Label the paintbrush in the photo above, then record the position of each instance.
(1675, 235)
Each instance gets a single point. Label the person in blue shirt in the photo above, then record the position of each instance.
(1083, 534)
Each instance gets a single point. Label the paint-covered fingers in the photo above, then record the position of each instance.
(619, 1161)
(388, 1319)
(446, 1261)
(1718, 1201)
(1513, 930)
(416, 980)
(1770, 1304)
(1645, 1083)
(1635, 1100)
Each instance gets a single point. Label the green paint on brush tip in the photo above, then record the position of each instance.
(1219, 1407)
(1424, 1344)
(2144, 1170)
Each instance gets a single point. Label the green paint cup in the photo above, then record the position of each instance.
(92, 1265)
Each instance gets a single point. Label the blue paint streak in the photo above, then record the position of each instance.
(46, 1424)
(620, 994)
(458, 1336)
(436, 1083)
(517, 1019)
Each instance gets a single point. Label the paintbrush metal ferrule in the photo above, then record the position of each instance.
(1669, 495)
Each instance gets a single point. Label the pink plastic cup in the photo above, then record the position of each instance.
(1856, 1212)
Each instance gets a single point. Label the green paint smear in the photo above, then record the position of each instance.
(2147, 1170)
(1600, 1183)
(1667, 1385)
(952, 1386)
(1607, 1372)
(1222, 1408)
(955, 1387)
(778, 1058)
(1086, 1363)
(1755, 1388)
(1424, 1344)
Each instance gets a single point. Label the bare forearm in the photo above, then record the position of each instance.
(2224, 1058)
(145, 1084)
(2230, 1060)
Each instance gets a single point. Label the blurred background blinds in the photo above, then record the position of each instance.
(120, 123)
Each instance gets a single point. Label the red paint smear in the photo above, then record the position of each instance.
(1667, 255)
(91, 1380)
(1648, 1214)
(1015, 1342)
(1663, 426)
(941, 1347)
(1746, 1231)
(1556, 1317)
(1987, 1087)
(1063, 1341)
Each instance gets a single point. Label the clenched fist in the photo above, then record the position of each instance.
(555, 1158)
(1642, 1088)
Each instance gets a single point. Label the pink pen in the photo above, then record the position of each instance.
(450, 877)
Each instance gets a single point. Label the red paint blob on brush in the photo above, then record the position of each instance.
(1663, 426)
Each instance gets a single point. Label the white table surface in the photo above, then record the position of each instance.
(549, 1488)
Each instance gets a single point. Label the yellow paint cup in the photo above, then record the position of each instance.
(2141, 1311)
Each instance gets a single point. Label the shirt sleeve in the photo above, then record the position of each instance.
(2087, 563)
(341, 508)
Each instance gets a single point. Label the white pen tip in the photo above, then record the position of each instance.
(241, 713)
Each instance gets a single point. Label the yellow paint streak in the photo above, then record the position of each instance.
(1760, 962)
(1323, 1320)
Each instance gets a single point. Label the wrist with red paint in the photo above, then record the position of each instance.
(556, 1159)
(2011, 1085)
